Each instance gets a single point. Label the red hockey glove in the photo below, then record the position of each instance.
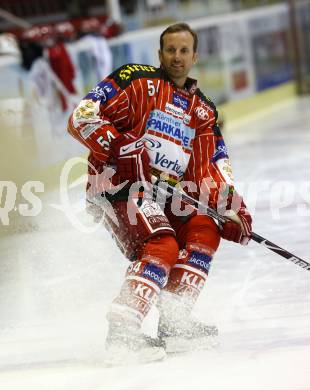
(131, 159)
(239, 227)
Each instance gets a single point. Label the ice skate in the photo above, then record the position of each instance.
(180, 331)
(187, 335)
(130, 346)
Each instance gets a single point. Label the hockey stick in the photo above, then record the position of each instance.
(167, 188)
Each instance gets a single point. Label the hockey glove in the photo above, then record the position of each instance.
(131, 159)
(239, 226)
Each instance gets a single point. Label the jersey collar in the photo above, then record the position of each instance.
(190, 85)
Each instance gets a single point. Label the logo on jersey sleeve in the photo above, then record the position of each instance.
(86, 112)
(220, 151)
(104, 91)
(225, 168)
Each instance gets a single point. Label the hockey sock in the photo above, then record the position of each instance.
(187, 279)
(143, 283)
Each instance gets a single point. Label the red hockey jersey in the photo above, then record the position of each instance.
(179, 126)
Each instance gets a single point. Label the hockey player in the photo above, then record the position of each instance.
(148, 122)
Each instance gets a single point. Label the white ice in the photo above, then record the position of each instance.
(56, 283)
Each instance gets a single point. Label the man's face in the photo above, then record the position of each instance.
(177, 55)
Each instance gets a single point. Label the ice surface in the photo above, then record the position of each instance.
(56, 284)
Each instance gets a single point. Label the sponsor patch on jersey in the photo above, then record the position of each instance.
(170, 159)
(147, 142)
(220, 150)
(126, 72)
(200, 260)
(151, 143)
(187, 119)
(163, 161)
(180, 101)
(156, 274)
(163, 123)
(104, 91)
(203, 112)
(173, 110)
(89, 129)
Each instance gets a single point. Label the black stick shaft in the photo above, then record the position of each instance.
(214, 214)
(280, 251)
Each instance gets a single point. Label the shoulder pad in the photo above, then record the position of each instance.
(126, 73)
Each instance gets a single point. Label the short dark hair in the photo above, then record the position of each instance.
(178, 27)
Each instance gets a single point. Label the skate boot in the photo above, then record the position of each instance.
(179, 330)
(187, 335)
(127, 346)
